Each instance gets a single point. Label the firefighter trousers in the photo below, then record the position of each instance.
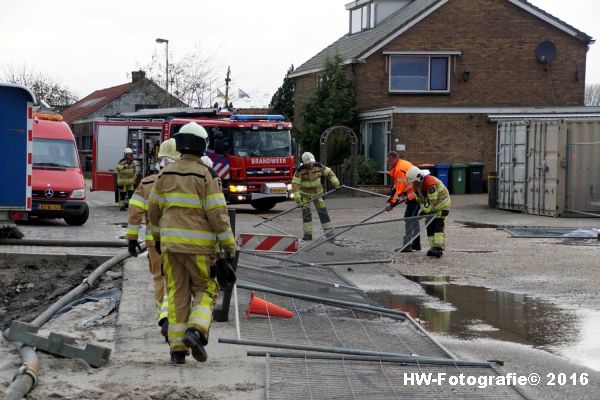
(411, 226)
(321, 212)
(160, 295)
(125, 193)
(435, 231)
(192, 294)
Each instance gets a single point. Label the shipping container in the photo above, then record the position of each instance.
(549, 166)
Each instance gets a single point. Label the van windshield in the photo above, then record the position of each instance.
(257, 143)
(54, 153)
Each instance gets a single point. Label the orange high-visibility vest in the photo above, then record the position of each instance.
(401, 184)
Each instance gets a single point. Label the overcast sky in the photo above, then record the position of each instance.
(90, 45)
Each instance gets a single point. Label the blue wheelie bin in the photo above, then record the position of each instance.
(443, 173)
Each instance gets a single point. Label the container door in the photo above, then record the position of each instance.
(542, 168)
(15, 141)
(583, 167)
(512, 140)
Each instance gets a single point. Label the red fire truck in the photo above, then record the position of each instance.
(252, 154)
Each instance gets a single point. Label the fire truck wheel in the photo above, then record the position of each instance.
(263, 205)
(78, 220)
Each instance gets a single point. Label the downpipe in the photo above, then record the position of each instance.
(26, 378)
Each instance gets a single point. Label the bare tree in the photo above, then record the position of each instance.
(44, 87)
(191, 78)
(592, 94)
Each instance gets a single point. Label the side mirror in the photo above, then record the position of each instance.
(294, 147)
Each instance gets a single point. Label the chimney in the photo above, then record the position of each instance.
(137, 76)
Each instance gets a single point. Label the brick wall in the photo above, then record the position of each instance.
(446, 138)
(498, 42)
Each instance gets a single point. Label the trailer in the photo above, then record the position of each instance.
(16, 137)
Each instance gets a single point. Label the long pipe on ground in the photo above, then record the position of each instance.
(404, 359)
(26, 377)
(63, 243)
(396, 314)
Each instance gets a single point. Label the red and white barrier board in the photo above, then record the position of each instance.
(266, 242)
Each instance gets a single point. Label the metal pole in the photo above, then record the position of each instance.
(400, 315)
(335, 263)
(293, 208)
(364, 191)
(63, 243)
(379, 222)
(167, 74)
(300, 278)
(335, 350)
(403, 359)
(318, 243)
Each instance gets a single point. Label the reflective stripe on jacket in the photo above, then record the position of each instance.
(401, 184)
(138, 209)
(125, 172)
(307, 181)
(434, 195)
(187, 210)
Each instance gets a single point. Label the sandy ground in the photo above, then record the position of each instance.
(139, 368)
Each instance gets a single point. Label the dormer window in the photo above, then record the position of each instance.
(362, 16)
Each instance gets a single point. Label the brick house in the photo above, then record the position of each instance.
(428, 73)
(138, 94)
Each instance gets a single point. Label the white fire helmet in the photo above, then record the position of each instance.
(308, 158)
(167, 154)
(127, 151)
(414, 174)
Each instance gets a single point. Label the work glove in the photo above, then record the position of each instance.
(389, 207)
(425, 208)
(134, 247)
(157, 246)
(225, 273)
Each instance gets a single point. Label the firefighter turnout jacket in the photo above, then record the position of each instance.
(138, 209)
(187, 210)
(403, 189)
(433, 196)
(125, 172)
(306, 183)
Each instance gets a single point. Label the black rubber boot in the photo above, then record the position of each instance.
(178, 357)
(434, 252)
(307, 238)
(407, 249)
(416, 246)
(196, 341)
(164, 328)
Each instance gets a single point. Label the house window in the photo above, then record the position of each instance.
(422, 73)
(362, 18)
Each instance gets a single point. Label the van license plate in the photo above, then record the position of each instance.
(278, 190)
(51, 207)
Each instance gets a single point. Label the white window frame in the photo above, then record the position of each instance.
(429, 56)
(367, 8)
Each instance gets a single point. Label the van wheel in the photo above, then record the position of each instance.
(78, 220)
(263, 205)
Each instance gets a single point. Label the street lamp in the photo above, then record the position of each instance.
(159, 40)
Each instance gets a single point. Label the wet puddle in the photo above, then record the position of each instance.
(469, 312)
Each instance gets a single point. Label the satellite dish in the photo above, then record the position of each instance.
(546, 51)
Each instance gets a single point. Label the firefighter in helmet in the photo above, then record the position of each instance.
(434, 200)
(125, 177)
(189, 218)
(138, 210)
(306, 186)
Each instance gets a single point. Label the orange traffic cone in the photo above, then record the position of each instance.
(262, 307)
